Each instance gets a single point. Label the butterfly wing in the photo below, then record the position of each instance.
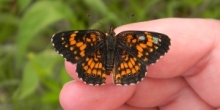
(128, 70)
(76, 45)
(92, 69)
(87, 48)
(135, 50)
(147, 47)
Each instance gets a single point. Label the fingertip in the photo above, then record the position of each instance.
(76, 95)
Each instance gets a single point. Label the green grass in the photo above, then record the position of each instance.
(32, 73)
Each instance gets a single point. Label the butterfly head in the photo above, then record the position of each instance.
(110, 32)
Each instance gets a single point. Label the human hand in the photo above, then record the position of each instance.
(186, 78)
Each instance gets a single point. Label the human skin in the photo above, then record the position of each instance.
(186, 78)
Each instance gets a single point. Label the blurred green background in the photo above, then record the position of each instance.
(32, 73)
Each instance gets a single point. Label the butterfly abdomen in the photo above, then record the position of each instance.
(111, 42)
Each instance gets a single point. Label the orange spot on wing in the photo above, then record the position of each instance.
(83, 47)
(72, 42)
(72, 36)
(134, 40)
(133, 70)
(90, 61)
(149, 36)
(145, 59)
(135, 59)
(130, 64)
(149, 43)
(94, 37)
(71, 39)
(88, 40)
(143, 45)
(150, 49)
(92, 65)
(71, 48)
(137, 67)
(121, 65)
(96, 65)
(129, 37)
(89, 71)
(85, 67)
(100, 65)
(128, 71)
(96, 59)
(82, 53)
(123, 73)
(139, 48)
(140, 54)
(119, 68)
(132, 61)
(126, 65)
(78, 44)
(94, 71)
(118, 78)
(103, 75)
(126, 58)
(99, 72)
(76, 58)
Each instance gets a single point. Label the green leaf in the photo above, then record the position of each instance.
(51, 97)
(39, 67)
(36, 19)
(64, 76)
(28, 84)
(23, 4)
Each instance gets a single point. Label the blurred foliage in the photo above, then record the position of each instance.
(32, 73)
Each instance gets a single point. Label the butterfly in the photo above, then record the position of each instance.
(98, 54)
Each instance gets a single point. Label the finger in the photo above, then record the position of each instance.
(167, 94)
(77, 96)
(186, 99)
(127, 107)
(204, 77)
(153, 92)
(194, 53)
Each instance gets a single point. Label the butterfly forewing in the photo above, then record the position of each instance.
(76, 45)
(147, 47)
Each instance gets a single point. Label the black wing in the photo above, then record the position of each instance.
(148, 47)
(76, 45)
(92, 68)
(135, 50)
(127, 69)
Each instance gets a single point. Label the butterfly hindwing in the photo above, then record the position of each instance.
(148, 47)
(76, 45)
(92, 68)
(128, 70)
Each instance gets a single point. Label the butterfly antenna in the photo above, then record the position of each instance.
(127, 19)
(95, 20)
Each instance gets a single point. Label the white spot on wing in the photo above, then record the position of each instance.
(141, 37)
(155, 40)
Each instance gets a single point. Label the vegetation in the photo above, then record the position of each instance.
(32, 73)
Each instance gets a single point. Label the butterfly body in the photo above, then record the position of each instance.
(97, 54)
(111, 45)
